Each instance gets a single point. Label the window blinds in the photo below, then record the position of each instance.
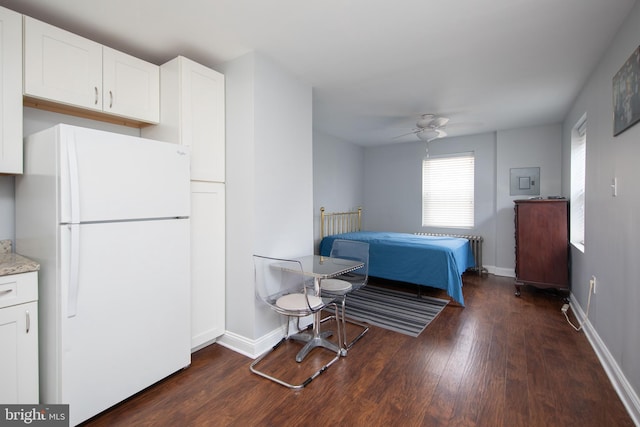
(448, 191)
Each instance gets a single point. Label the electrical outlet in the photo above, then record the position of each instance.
(592, 284)
(565, 307)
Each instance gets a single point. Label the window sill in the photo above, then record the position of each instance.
(578, 246)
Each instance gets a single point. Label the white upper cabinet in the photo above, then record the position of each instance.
(65, 68)
(193, 114)
(10, 92)
(131, 86)
(61, 66)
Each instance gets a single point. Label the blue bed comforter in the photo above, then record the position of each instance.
(424, 260)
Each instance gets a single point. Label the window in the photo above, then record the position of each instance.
(447, 191)
(578, 169)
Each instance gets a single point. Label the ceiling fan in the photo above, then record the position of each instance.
(429, 127)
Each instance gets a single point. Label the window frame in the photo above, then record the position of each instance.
(578, 184)
(464, 186)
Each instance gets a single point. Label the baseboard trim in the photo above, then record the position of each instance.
(499, 271)
(248, 347)
(620, 383)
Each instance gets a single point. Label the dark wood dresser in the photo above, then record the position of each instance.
(542, 243)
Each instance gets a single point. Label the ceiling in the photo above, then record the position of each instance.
(376, 65)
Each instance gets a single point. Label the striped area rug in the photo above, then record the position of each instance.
(394, 310)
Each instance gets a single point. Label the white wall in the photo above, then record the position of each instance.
(538, 146)
(612, 224)
(269, 185)
(338, 177)
(240, 194)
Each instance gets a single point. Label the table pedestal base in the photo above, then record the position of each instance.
(313, 342)
(314, 339)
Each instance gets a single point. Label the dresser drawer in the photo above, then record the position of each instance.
(18, 288)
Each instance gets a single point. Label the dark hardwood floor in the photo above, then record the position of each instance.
(499, 361)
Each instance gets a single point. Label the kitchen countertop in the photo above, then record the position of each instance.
(12, 263)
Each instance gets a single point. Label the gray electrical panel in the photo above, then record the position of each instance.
(524, 182)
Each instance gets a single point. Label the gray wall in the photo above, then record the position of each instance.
(392, 182)
(338, 177)
(7, 208)
(612, 224)
(393, 186)
(538, 146)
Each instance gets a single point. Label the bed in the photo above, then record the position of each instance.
(435, 261)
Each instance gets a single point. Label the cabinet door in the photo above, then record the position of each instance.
(131, 86)
(61, 66)
(19, 354)
(203, 120)
(207, 262)
(10, 91)
(193, 114)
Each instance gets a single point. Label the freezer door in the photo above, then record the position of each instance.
(106, 177)
(131, 326)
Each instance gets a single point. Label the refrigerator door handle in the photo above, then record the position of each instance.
(74, 270)
(74, 193)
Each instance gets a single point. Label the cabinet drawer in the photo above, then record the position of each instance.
(18, 289)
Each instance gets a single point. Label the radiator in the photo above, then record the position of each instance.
(476, 248)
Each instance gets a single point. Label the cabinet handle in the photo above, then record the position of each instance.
(6, 291)
(28, 321)
(110, 99)
(96, 90)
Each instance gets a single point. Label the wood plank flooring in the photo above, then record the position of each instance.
(499, 361)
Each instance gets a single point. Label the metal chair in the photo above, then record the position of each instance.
(339, 287)
(281, 284)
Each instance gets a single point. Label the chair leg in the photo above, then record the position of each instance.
(365, 328)
(322, 369)
(341, 318)
(306, 382)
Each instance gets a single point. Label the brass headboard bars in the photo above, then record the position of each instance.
(339, 222)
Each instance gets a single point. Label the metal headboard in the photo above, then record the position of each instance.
(339, 222)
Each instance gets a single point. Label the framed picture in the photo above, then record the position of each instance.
(626, 94)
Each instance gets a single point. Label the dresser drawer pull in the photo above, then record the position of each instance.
(6, 291)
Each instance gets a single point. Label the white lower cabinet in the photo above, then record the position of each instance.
(192, 113)
(207, 262)
(19, 339)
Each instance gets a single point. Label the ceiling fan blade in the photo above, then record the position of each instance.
(441, 133)
(406, 134)
(439, 122)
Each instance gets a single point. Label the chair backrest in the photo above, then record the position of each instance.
(277, 277)
(353, 250)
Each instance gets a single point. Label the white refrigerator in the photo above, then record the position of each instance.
(107, 217)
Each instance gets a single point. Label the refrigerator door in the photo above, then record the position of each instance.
(110, 177)
(131, 326)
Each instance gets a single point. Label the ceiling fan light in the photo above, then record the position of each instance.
(427, 134)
